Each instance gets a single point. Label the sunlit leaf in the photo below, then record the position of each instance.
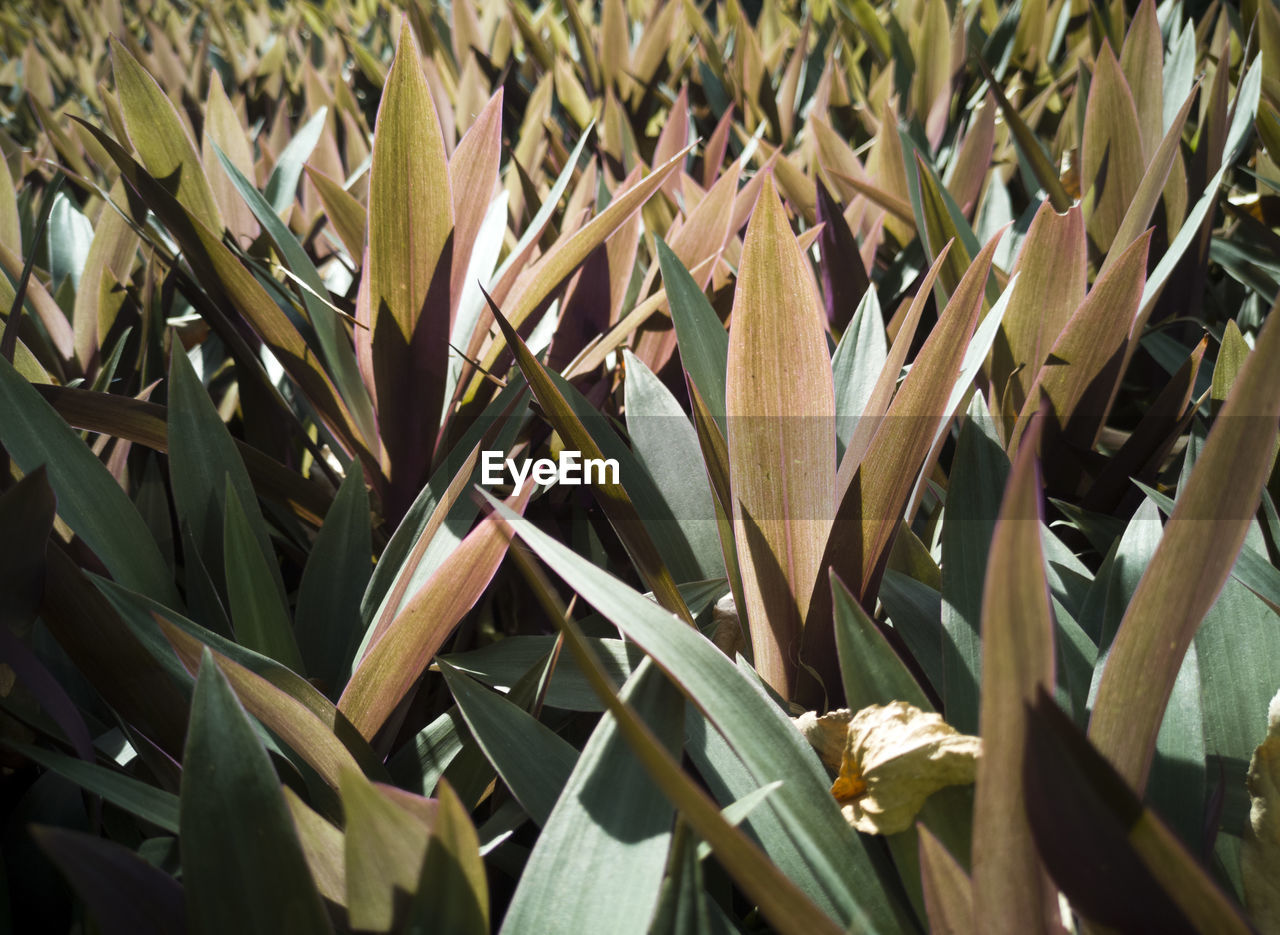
(161, 138)
(781, 414)
(391, 666)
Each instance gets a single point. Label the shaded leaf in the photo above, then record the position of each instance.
(237, 835)
(1190, 566)
(531, 759)
(258, 612)
(124, 893)
(337, 572)
(1010, 889)
(948, 893)
(89, 499)
(1077, 804)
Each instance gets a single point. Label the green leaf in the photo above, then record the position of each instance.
(134, 796)
(453, 890)
(204, 464)
(500, 665)
(1237, 651)
(613, 498)
(421, 762)
(330, 330)
(1179, 777)
(871, 671)
(161, 138)
(856, 366)
(941, 223)
(915, 610)
(1231, 357)
(384, 844)
(337, 572)
(659, 520)
(260, 618)
(282, 186)
(89, 499)
(729, 780)
(837, 872)
(609, 833)
(686, 908)
(70, 236)
(703, 342)
(666, 445)
(236, 832)
(532, 760)
(1191, 564)
(979, 471)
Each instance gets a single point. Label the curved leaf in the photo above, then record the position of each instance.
(1200, 543)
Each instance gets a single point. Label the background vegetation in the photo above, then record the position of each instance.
(933, 341)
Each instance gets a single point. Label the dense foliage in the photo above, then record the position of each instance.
(932, 343)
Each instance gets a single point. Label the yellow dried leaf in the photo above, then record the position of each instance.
(828, 734)
(895, 757)
(1260, 857)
